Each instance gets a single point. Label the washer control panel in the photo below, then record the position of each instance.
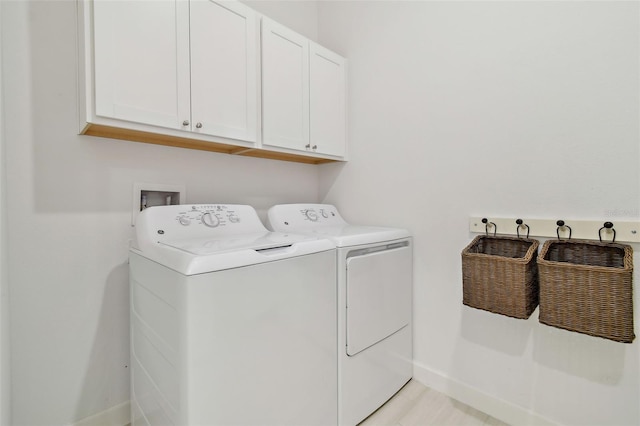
(196, 221)
(210, 216)
(303, 216)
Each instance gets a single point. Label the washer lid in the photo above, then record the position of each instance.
(257, 242)
(204, 255)
(201, 238)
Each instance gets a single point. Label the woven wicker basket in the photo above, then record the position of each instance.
(499, 274)
(586, 286)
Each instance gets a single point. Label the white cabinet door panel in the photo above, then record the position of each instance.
(285, 87)
(137, 46)
(328, 101)
(224, 69)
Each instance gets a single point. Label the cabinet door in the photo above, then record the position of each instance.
(224, 69)
(142, 61)
(285, 87)
(327, 101)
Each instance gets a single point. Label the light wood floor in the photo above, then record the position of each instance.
(417, 405)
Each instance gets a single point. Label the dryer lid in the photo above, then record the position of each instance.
(352, 235)
(324, 221)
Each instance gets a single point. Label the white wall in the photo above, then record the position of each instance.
(69, 208)
(512, 109)
(300, 16)
(456, 109)
(5, 370)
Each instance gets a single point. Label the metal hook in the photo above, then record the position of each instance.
(607, 225)
(486, 226)
(561, 224)
(521, 224)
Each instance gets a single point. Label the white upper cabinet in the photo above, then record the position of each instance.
(303, 93)
(328, 101)
(285, 87)
(203, 74)
(178, 64)
(224, 69)
(141, 51)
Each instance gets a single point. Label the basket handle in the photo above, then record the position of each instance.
(561, 224)
(521, 225)
(486, 226)
(607, 225)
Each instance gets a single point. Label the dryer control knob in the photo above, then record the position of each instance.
(184, 220)
(311, 215)
(234, 218)
(210, 220)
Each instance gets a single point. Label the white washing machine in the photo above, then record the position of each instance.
(230, 324)
(374, 277)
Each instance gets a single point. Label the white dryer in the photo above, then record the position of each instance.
(374, 278)
(230, 324)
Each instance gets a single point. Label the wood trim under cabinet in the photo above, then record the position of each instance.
(102, 131)
(283, 156)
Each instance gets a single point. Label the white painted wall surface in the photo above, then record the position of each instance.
(68, 205)
(507, 109)
(5, 366)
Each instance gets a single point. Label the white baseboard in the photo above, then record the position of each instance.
(120, 415)
(495, 407)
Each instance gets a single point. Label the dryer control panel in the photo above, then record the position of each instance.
(299, 216)
(161, 223)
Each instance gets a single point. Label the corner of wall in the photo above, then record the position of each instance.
(301, 16)
(114, 416)
(5, 372)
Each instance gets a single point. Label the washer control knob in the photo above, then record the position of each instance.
(233, 218)
(311, 215)
(324, 214)
(184, 220)
(211, 220)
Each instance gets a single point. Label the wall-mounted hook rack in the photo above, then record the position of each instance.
(521, 225)
(488, 225)
(625, 231)
(607, 226)
(562, 226)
